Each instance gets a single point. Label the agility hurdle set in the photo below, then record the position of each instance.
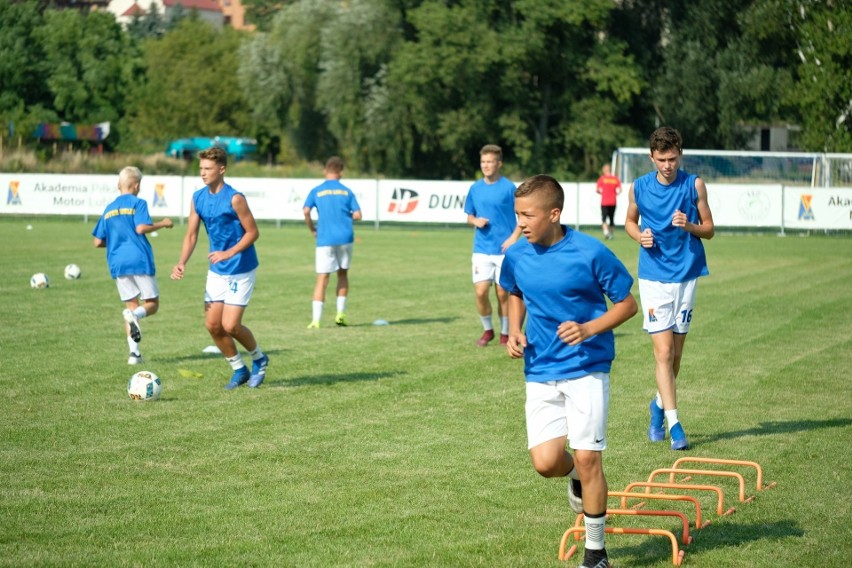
(663, 495)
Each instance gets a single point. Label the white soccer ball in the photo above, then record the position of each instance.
(144, 386)
(72, 272)
(40, 280)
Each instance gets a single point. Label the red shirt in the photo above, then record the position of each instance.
(608, 187)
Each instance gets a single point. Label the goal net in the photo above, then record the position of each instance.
(747, 167)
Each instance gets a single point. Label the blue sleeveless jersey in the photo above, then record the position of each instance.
(224, 229)
(677, 256)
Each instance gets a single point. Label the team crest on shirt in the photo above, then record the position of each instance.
(805, 211)
(159, 195)
(651, 316)
(13, 197)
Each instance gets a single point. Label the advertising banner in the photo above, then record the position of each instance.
(817, 208)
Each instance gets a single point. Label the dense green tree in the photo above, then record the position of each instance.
(25, 98)
(87, 56)
(823, 88)
(279, 72)
(189, 87)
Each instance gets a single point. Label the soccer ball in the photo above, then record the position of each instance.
(72, 272)
(144, 386)
(40, 280)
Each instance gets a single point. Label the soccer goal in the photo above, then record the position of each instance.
(747, 167)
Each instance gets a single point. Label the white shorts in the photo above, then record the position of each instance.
(486, 267)
(232, 289)
(576, 408)
(667, 305)
(333, 258)
(137, 286)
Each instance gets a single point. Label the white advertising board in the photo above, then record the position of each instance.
(817, 208)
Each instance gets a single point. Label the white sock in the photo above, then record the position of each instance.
(341, 304)
(257, 353)
(573, 474)
(504, 325)
(659, 401)
(486, 322)
(316, 310)
(671, 418)
(134, 347)
(236, 362)
(140, 312)
(595, 531)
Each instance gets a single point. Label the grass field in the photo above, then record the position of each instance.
(401, 445)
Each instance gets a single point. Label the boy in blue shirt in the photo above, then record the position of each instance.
(675, 216)
(559, 280)
(337, 208)
(122, 229)
(490, 208)
(231, 231)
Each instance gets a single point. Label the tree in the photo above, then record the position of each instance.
(189, 87)
(822, 92)
(88, 57)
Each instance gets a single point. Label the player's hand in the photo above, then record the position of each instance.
(515, 345)
(218, 256)
(167, 223)
(679, 219)
(646, 238)
(572, 333)
(177, 272)
(481, 222)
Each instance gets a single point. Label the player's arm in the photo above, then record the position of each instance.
(145, 229)
(516, 234)
(244, 214)
(478, 222)
(308, 221)
(631, 222)
(573, 333)
(706, 228)
(517, 339)
(356, 215)
(189, 241)
(99, 243)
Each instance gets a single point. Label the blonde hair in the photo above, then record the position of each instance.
(492, 149)
(216, 154)
(129, 176)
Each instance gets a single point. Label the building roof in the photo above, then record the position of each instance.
(203, 5)
(133, 10)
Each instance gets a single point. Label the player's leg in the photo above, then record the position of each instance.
(129, 292)
(318, 300)
(344, 257)
(483, 277)
(502, 302)
(586, 411)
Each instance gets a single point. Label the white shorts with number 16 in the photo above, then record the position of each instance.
(667, 305)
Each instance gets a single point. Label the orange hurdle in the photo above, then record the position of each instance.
(684, 535)
(677, 554)
(755, 465)
(625, 495)
(720, 496)
(733, 474)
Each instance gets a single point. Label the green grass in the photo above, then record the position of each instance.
(401, 445)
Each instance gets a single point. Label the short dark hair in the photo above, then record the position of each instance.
(664, 139)
(216, 154)
(334, 164)
(550, 189)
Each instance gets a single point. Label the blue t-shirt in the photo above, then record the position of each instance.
(495, 202)
(568, 281)
(128, 253)
(224, 229)
(335, 205)
(677, 256)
